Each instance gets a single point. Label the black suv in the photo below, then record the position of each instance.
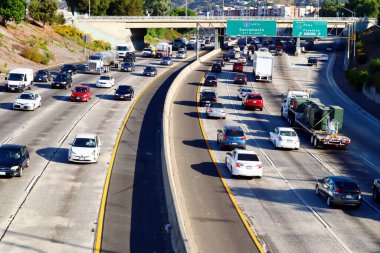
(216, 67)
(128, 66)
(150, 71)
(13, 160)
(207, 96)
(130, 56)
(42, 76)
(62, 80)
(69, 68)
(312, 61)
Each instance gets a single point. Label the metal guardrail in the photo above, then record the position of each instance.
(219, 18)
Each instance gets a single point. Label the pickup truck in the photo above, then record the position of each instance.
(376, 190)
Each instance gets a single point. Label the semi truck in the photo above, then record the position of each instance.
(163, 49)
(123, 49)
(323, 123)
(102, 62)
(263, 65)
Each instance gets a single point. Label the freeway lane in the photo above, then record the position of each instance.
(60, 213)
(282, 205)
(214, 220)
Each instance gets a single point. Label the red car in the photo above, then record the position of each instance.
(237, 67)
(253, 100)
(80, 93)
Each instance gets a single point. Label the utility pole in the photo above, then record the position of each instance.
(89, 8)
(186, 8)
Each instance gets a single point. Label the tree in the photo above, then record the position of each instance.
(368, 8)
(158, 7)
(329, 9)
(178, 11)
(125, 8)
(12, 10)
(43, 10)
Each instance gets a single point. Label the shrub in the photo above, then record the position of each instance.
(374, 66)
(16, 47)
(361, 57)
(60, 19)
(4, 68)
(34, 55)
(357, 78)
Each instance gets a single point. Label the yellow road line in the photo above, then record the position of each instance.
(241, 215)
(99, 230)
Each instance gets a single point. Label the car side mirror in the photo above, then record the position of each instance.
(219, 130)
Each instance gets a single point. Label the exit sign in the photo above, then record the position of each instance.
(251, 28)
(309, 28)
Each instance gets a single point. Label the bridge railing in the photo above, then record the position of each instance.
(215, 18)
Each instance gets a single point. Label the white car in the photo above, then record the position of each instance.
(85, 149)
(27, 101)
(284, 137)
(242, 59)
(215, 110)
(181, 54)
(192, 40)
(244, 163)
(323, 57)
(105, 81)
(242, 91)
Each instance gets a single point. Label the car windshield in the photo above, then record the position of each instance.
(94, 58)
(121, 48)
(147, 49)
(288, 133)
(42, 72)
(248, 157)
(254, 96)
(105, 78)
(216, 65)
(15, 77)
(80, 89)
(234, 132)
(240, 76)
(272, 47)
(84, 143)
(60, 78)
(181, 52)
(166, 58)
(217, 105)
(66, 67)
(208, 94)
(149, 68)
(26, 96)
(124, 88)
(127, 64)
(9, 157)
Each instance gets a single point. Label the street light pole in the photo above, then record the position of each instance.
(353, 15)
(89, 8)
(186, 8)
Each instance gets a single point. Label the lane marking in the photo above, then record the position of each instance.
(368, 161)
(64, 137)
(99, 230)
(31, 183)
(7, 140)
(230, 194)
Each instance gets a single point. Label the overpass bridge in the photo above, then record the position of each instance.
(134, 27)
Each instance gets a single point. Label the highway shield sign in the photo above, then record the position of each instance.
(309, 28)
(251, 28)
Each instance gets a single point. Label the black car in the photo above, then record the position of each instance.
(339, 190)
(128, 66)
(312, 61)
(376, 190)
(130, 57)
(216, 67)
(62, 80)
(220, 62)
(211, 81)
(69, 68)
(124, 92)
(150, 71)
(226, 57)
(42, 76)
(207, 96)
(13, 160)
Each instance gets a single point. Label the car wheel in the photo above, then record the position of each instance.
(375, 195)
(317, 190)
(20, 172)
(221, 146)
(316, 142)
(27, 163)
(328, 202)
(261, 108)
(312, 139)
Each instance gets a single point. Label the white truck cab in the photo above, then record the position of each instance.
(19, 79)
(291, 94)
(123, 49)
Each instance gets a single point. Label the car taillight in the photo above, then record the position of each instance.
(210, 110)
(338, 190)
(259, 166)
(241, 92)
(280, 138)
(225, 137)
(243, 138)
(238, 165)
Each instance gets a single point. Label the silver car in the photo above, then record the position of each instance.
(166, 61)
(181, 54)
(216, 110)
(242, 91)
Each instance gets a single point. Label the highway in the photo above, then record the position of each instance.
(54, 206)
(282, 207)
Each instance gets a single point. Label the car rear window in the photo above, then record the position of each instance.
(248, 157)
(288, 133)
(211, 77)
(240, 76)
(238, 64)
(234, 132)
(208, 94)
(246, 90)
(254, 97)
(347, 185)
(217, 105)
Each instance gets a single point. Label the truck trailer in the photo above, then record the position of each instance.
(263, 65)
(323, 123)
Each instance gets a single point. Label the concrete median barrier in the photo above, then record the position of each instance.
(179, 223)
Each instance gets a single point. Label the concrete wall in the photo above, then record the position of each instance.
(181, 233)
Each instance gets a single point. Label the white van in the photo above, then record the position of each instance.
(19, 79)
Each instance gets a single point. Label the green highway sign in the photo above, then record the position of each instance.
(251, 28)
(309, 28)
